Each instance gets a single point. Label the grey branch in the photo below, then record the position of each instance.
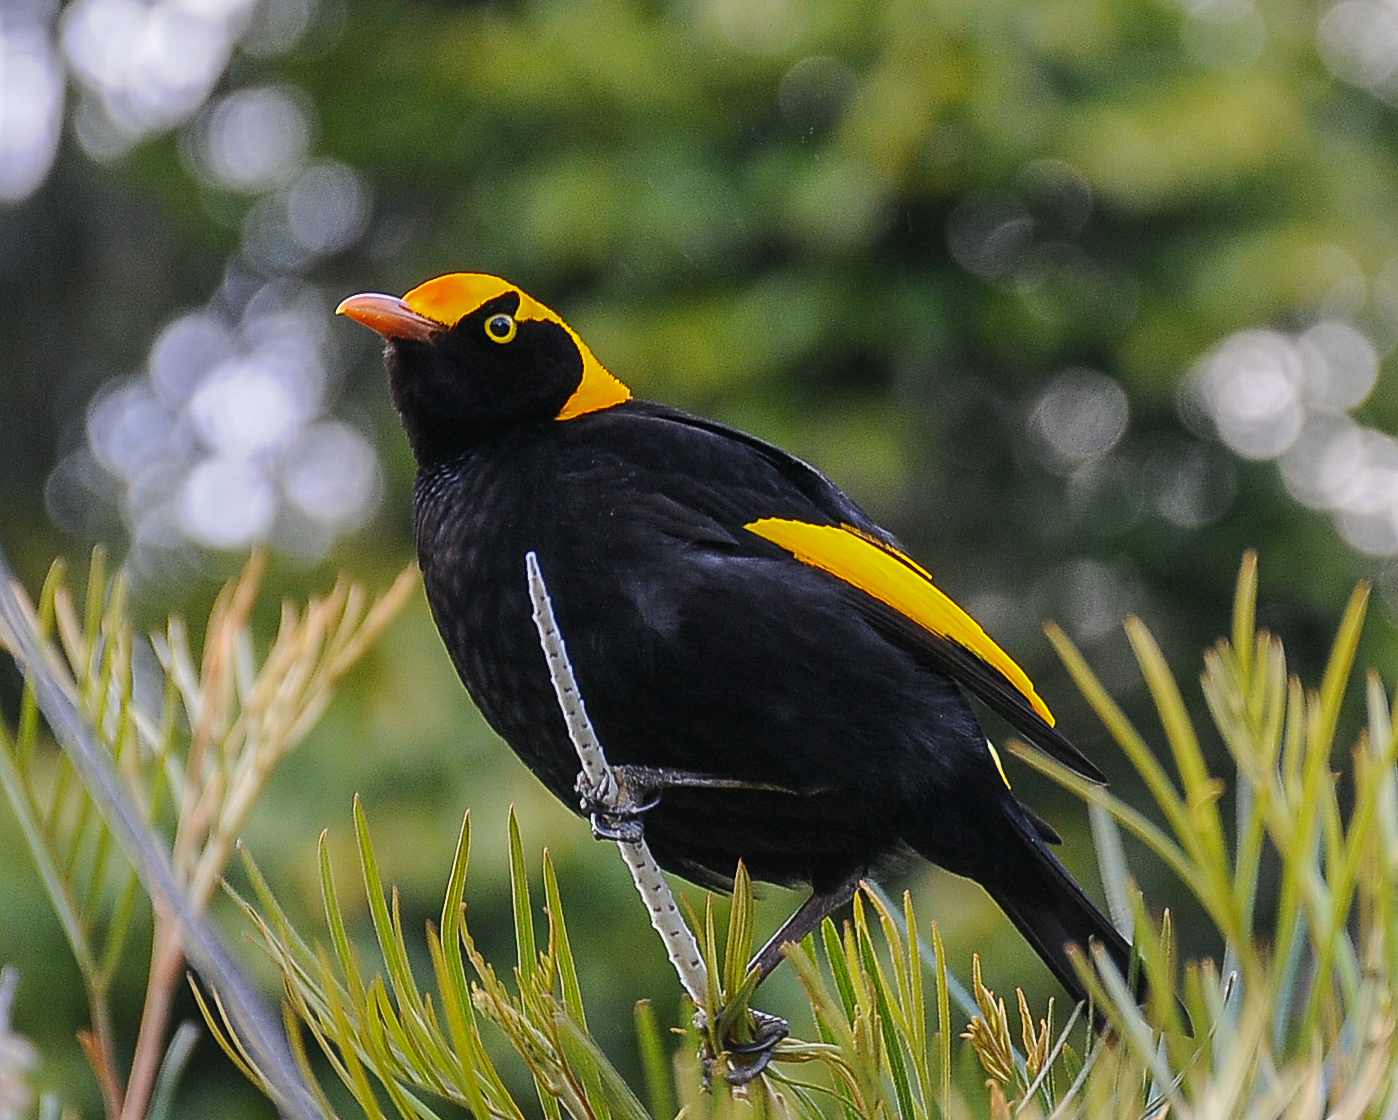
(599, 783)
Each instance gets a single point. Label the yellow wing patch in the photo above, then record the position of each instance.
(449, 299)
(894, 579)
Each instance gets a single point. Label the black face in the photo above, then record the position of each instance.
(485, 374)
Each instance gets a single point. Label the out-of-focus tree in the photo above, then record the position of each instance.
(1080, 297)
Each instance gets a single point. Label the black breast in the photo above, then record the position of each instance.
(476, 517)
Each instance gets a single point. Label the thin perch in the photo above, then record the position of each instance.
(602, 787)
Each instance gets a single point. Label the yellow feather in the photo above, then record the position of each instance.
(449, 299)
(894, 579)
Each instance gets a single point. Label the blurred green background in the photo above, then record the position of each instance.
(1079, 297)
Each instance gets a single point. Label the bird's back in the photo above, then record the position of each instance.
(698, 646)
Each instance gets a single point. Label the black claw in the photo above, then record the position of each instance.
(771, 1029)
(622, 828)
(640, 807)
(621, 823)
(741, 1075)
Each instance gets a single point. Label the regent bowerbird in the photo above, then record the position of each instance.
(777, 678)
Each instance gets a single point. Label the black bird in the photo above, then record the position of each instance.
(763, 660)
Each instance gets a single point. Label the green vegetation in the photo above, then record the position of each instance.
(778, 213)
(1296, 1019)
(195, 746)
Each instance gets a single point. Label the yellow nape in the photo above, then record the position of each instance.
(449, 299)
(894, 579)
(597, 390)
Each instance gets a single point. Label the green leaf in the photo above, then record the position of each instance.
(944, 1026)
(526, 954)
(713, 995)
(835, 958)
(172, 1067)
(655, 1063)
(612, 1092)
(1245, 614)
(738, 946)
(1341, 664)
(1201, 789)
(335, 919)
(1111, 864)
(560, 949)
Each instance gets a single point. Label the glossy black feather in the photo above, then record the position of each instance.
(701, 647)
(987, 683)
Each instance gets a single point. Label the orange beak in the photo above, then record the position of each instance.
(389, 316)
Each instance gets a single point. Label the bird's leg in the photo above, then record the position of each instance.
(618, 816)
(639, 789)
(771, 1029)
(654, 779)
(808, 915)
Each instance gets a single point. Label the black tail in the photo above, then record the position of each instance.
(1035, 891)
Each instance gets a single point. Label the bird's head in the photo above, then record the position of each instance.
(470, 354)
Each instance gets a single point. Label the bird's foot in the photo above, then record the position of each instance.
(747, 1060)
(624, 828)
(618, 817)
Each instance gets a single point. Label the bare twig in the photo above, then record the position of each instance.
(603, 788)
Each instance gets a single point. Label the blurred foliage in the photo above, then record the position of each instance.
(1296, 1020)
(776, 213)
(195, 741)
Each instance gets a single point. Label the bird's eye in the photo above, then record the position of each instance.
(500, 328)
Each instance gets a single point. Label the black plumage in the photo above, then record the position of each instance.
(706, 643)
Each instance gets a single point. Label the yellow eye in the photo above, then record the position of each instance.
(500, 328)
